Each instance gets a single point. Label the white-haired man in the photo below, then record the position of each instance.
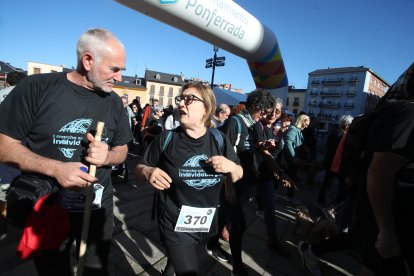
(60, 113)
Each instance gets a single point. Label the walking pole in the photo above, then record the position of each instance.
(87, 210)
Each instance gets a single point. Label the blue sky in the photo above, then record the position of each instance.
(312, 34)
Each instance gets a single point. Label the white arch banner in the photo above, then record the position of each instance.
(225, 24)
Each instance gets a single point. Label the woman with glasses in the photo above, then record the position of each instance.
(188, 169)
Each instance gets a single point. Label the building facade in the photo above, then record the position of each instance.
(41, 68)
(295, 101)
(132, 88)
(334, 92)
(163, 86)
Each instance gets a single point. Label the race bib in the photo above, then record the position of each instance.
(74, 201)
(192, 219)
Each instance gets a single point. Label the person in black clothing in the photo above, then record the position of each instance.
(269, 145)
(61, 113)
(188, 172)
(155, 126)
(332, 142)
(389, 227)
(239, 130)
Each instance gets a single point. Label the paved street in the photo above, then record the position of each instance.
(136, 247)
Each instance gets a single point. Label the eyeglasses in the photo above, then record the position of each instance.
(267, 112)
(188, 99)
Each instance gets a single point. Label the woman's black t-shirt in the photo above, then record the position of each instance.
(194, 183)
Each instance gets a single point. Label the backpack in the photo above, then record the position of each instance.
(220, 144)
(237, 118)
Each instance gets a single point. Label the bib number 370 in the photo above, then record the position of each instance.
(192, 219)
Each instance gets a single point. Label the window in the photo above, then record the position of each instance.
(161, 91)
(157, 76)
(170, 95)
(170, 92)
(314, 92)
(152, 91)
(311, 112)
(287, 101)
(36, 70)
(161, 95)
(175, 79)
(296, 101)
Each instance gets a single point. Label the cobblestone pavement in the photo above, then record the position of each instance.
(136, 248)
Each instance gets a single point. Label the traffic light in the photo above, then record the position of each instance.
(209, 63)
(220, 61)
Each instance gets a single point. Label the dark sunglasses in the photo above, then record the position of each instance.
(188, 99)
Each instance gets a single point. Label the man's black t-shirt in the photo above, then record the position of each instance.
(194, 183)
(393, 131)
(53, 115)
(261, 133)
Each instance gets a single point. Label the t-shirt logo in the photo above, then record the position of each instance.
(198, 174)
(71, 136)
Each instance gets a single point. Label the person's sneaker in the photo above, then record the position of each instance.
(239, 271)
(330, 214)
(309, 260)
(278, 247)
(218, 253)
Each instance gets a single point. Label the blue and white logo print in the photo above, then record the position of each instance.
(68, 136)
(197, 174)
(168, 2)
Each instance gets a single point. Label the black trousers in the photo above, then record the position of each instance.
(184, 261)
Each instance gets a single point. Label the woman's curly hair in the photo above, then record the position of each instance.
(261, 99)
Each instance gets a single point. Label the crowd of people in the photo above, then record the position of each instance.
(205, 160)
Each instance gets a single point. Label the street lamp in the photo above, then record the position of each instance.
(213, 62)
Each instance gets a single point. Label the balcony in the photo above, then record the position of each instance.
(328, 116)
(330, 105)
(331, 94)
(315, 82)
(314, 104)
(348, 105)
(313, 94)
(351, 93)
(353, 81)
(338, 81)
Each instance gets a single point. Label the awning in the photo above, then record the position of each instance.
(228, 97)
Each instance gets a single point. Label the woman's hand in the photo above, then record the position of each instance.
(221, 164)
(158, 178)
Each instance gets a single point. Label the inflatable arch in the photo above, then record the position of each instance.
(228, 26)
